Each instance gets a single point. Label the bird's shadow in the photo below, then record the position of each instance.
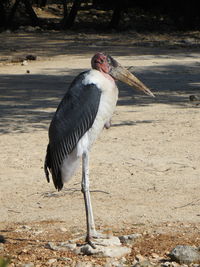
(131, 123)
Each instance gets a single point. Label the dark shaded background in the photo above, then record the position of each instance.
(104, 14)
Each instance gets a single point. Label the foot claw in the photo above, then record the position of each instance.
(91, 244)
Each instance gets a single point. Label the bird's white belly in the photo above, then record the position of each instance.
(106, 108)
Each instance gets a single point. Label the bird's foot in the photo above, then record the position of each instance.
(92, 239)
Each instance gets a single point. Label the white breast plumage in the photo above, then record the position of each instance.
(109, 96)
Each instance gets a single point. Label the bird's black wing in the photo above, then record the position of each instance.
(73, 118)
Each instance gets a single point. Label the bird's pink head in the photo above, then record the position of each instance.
(112, 69)
(100, 62)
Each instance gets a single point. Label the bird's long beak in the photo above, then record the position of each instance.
(120, 73)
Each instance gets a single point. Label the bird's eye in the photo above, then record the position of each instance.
(108, 60)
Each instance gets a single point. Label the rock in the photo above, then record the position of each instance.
(24, 63)
(185, 254)
(51, 246)
(70, 246)
(104, 251)
(194, 98)
(28, 265)
(155, 256)
(105, 247)
(30, 29)
(51, 261)
(1, 247)
(140, 258)
(110, 241)
(2, 239)
(31, 57)
(62, 246)
(128, 239)
(63, 229)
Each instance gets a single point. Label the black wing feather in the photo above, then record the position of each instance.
(73, 118)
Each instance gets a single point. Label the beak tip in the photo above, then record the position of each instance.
(148, 92)
(152, 95)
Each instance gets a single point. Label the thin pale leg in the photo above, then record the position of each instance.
(91, 231)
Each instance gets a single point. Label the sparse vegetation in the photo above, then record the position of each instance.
(4, 262)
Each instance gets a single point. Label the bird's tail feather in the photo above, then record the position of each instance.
(57, 180)
(47, 164)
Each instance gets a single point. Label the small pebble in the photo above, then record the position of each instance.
(63, 229)
(51, 261)
(24, 63)
(193, 98)
(51, 245)
(28, 265)
(140, 258)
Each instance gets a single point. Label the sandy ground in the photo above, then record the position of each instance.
(146, 165)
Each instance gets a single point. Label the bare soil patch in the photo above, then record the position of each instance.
(146, 164)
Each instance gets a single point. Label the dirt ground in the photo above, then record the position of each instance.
(144, 169)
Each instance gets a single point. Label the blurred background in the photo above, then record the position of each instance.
(100, 15)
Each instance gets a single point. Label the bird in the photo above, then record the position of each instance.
(86, 108)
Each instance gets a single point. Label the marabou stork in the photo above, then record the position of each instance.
(85, 109)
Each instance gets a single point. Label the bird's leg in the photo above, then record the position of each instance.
(91, 232)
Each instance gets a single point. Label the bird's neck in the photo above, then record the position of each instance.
(107, 76)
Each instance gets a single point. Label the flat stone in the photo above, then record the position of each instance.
(51, 246)
(185, 254)
(51, 261)
(62, 246)
(70, 246)
(63, 229)
(110, 241)
(31, 264)
(24, 63)
(105, 251)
